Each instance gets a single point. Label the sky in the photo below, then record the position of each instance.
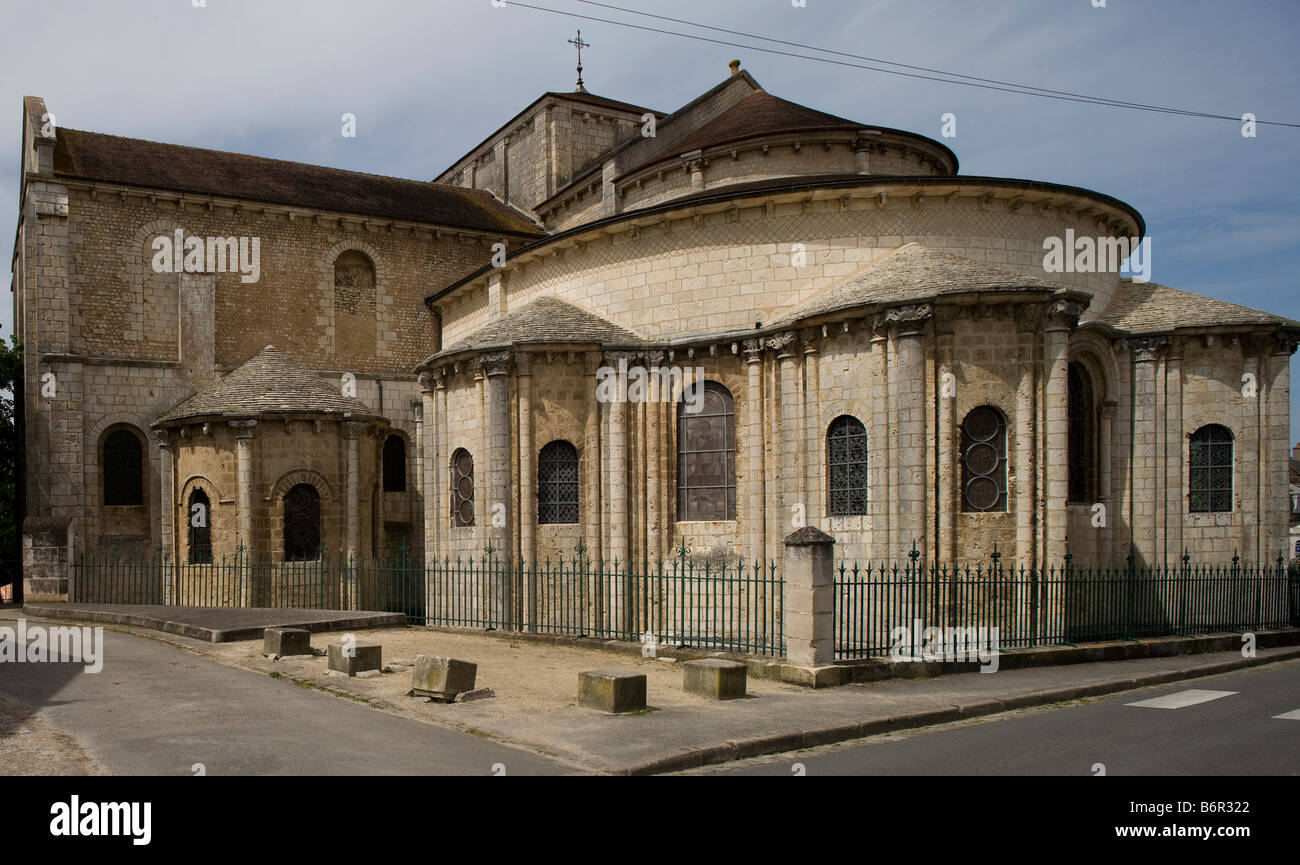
(428, 79)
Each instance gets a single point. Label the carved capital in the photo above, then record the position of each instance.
(1029, 318)
(1285, 342)
(1146, 348)
(352, 429)
(753, 349)
(1063, 314)
(428, 381)
(909, 320)
(162, 438)
(783, 344)
(810, 339)
(523, 363)
(245, 428)
(494, 363)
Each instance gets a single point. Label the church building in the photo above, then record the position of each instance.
(613, 327)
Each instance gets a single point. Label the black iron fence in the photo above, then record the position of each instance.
(721, 605)
(884, 609)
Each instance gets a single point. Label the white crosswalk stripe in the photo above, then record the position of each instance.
(1181, 699)
(1288, 716)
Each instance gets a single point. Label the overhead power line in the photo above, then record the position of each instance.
(904, 70)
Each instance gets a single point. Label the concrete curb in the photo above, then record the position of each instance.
(358, 622)
(780, 743)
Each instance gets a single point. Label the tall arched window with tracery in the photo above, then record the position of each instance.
(984, 461)
(557, 483)
(462, 488)
(123, 469)
(706, 454)
(846, 466)
(1210, 470)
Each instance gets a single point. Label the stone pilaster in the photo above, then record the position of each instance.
(1174, 499)
(1105, 483)
(948, 472)
(1248, 480)
(167, 510)
(880, 503)
(593, 473)
(351, 431)
(656, 403)
(789, 466)
(496, 509)
(813, 435)
(527, 466)
(617, 491)
(1145, 352)
(754, 437)
(1025, 494)
(909, 325)
(1275, 526)
(1062, 317)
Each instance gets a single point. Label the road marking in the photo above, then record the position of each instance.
(1289, 716)
(1181, 699)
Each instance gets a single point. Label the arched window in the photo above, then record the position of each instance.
(706, 454)
(846, 466)
(123, 469)
(394, 464)
(199, 513)
(1210, 470)
(462, 488)
(301, 524)
(984, 460)
(1083, 436)
(557, 483)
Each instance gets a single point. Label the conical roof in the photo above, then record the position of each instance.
(268, 383)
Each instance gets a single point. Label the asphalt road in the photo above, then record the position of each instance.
(157, 710)
(1233, 734)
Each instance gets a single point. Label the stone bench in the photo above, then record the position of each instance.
(714, 678)
(612, 691)
(442, 678)
(285, 642)
(366, 656)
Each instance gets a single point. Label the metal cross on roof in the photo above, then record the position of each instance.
(579, 44)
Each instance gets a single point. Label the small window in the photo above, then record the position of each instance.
(123, 469)
(199, 514)
(984, 461)
(1210, 475)
(557, 483)
(846, 464)
(706, 456)
(394, 464)
(1083, 436)
(302, 524)
(462, 488)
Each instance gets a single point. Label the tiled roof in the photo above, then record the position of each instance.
(1148, 307)
(268, 382)
(133, 162)
(760, 113)
(915, 272)
(547, 319)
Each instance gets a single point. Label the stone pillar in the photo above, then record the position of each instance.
(527, 550)
(1105, 483)
(618, 554)
(351, 430)
(789, 465)
(1025, 496)
(496, 509)
(813, 434)
(429, 460)
(878, 446)
(808, 605)
(755, 434)
(948, 474)
(1175, 500)
(245, 430)
(1275, 526)
(592, 471)
(909, 324)
(167, 511)
(440, 500)
(1062, 317)
(1145, 351)
(656, 402)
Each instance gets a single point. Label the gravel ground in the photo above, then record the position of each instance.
(29, 746)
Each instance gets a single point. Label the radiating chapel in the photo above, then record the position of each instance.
(826, 323)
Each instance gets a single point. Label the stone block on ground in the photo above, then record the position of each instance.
(285, 642)
(442, 678)
(714, 678)
(365, 655)
(612, 691)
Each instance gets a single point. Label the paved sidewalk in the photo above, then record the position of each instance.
(215, 624)
(536, 687)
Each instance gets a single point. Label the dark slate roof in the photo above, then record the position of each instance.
(915, 272)
(1148, 307)
(546, 319)
(268, 382)
(175, 167)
